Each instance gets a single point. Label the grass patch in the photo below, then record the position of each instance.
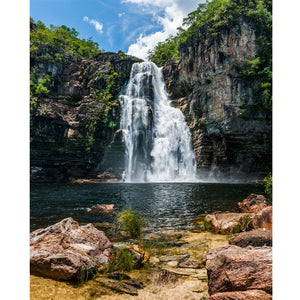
(131, 221)
(121, 260)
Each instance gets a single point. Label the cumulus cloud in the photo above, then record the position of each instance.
(121, 14)
(168, 14)
(98, 26)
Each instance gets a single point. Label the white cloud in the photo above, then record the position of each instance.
(168, 14)
(121, 14)
(98, 26)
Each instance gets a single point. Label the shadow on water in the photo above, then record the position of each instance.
(164, 205)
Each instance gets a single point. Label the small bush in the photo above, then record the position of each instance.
(268, 187)
(122, 260)
(131, 221)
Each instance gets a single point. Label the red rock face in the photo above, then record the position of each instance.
(263, 219)
(232, 268)
(58, 251)
(247, 295)
(252, 204)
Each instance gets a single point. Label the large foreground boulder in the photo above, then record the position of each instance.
(256, 238)
(247, 295)
(61, 250)
(252, 204)
(232, 268)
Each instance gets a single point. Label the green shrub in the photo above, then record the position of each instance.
(121, 260)
(131, 221)
(268, 187)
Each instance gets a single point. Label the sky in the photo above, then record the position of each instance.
(133, 26)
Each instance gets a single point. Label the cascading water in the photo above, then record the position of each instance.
(157, 139)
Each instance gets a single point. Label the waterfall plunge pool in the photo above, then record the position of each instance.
(166, 206)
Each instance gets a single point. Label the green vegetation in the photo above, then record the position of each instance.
(60, 38)
(121, 260)
(39, 87)
(268, 187)
(131, 221)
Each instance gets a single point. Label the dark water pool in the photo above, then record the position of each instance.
(163, 205)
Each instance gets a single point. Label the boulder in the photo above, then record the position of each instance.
(104, 208)
(246, 295)
(227, 222)
(252, 204)
(257, 238)
(262, 219)
(232, 268)
(61, 250)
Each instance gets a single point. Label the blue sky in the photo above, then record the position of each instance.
(133, 26)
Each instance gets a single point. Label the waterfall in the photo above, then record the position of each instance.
(157, 139)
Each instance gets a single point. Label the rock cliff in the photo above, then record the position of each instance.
(74, 124)
(232, 136)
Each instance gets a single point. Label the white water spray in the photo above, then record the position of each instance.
(157, 139)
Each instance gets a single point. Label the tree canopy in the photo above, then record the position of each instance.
(62, 39)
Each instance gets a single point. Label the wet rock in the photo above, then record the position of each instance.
(103, 208)
(118, 286)
(193, 264)
(172, 264)
(232, 268)
(199, 273)
(118, 276)
(262, 219)
(126, 279)
(108, 176)
(166, 258)
(134, 282)
(166, 276)
(257, 238)
(246, 295)
(140, 256)
(252, 204)
(226, 222)
(154, 260)
(60, 250)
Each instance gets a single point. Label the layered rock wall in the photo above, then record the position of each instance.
(231, 138)
(73, 127)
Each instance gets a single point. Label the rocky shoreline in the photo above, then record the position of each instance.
(229, 258)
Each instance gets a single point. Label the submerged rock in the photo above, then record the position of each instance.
(257, 238)
(192, 264)
(252, 204)
(105, 208)
(246, 295)
(61, 250)
(232, 268)
(118, 286)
